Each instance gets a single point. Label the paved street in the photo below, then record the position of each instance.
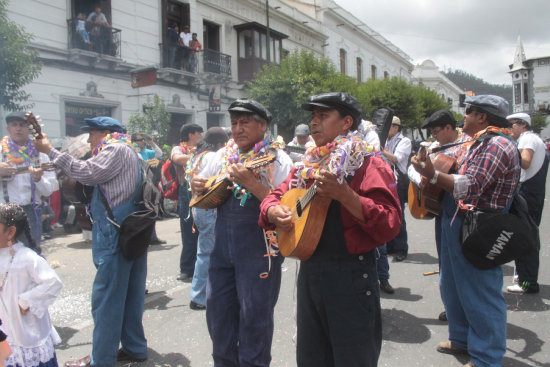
(178, 336)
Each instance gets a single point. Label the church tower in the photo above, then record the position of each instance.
(520, 80)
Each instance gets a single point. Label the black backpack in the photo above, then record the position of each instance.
(136, 229)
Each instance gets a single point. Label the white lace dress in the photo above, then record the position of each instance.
(30, 282)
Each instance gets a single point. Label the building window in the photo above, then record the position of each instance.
(373, 72)
(343, 61)
(211, 36)
(525, 93)
(517, 93)
(359, 70)
(386, 75)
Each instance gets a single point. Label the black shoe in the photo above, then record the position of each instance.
(442, 316)
(386, 287)
(400, 256)
(123, 356)
(156, 241)
(195, 306)
(186, 278)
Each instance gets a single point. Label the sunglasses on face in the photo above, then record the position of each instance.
(435, 131)
(471, 109)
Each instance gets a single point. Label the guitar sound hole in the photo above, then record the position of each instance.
(299, 209)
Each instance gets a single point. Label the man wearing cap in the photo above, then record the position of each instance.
(487, 179)
(185, 39)
(190, 135)
(396, 152)
(301, 140)
(441, 125)
(244, 277)
(118, 291)
(205, 219)
(338, 312)
(534, 167)
(25, 189)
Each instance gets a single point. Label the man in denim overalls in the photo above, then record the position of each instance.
(245, 270)
(118, 292)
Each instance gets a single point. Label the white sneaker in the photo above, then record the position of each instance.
(57, 225)
(516, 279)
(516, 288)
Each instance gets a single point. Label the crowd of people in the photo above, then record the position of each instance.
(356, 188)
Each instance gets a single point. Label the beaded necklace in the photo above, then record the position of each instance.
(342, 157)
(113, 138)
(193, 165)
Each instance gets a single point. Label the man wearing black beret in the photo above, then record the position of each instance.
(244, 276)
(338, 315)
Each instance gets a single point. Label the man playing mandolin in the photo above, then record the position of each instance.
(24, 189)
(245, 270)
(338, 313)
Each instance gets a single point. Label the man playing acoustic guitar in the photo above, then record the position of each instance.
(338, 314)
(244, 277)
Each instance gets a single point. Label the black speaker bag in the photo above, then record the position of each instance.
(492, 239)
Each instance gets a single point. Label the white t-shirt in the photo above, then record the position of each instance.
(186, 38)
(530, 140)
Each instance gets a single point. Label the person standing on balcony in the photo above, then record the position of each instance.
(172, 44)
(100, 32)
(195, 46)
(185, 41)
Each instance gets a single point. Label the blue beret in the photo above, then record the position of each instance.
(495, 105)
(102, 123)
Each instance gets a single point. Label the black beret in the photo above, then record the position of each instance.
(339, 100)
(250, 106)
(16, 115)
(440, 118)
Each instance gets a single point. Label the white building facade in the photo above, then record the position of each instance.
(133, 63)
(427, 74)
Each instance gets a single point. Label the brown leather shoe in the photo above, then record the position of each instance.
(449, 348)
(83, 362)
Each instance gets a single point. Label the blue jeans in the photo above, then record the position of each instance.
(473, 298)
(188, 238)
(34, 216)
(400, 243)
(382, 264)
(205, 220)
(239, 302)
(118, 292)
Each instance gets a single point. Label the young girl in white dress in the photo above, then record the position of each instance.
(28, 285)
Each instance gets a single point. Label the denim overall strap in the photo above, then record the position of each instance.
(118, 292)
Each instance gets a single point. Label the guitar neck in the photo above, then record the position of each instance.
(25, 169)
(306, 199)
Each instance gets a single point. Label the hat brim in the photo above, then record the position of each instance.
(310, 106)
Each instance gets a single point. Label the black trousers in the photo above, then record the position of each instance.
(339, 318)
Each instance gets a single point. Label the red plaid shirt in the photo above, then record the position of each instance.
(489, 174)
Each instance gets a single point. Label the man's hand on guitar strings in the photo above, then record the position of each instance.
(7, 169)
(36, 173)
(425, 168)
(328, 185)
(241, 175)
(281, 217)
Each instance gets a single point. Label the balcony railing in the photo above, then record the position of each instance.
(206, 61)
(95, 37)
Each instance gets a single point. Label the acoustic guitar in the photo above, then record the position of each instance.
(425, 203)
(25, 169)
(216, 187)
(308, 217)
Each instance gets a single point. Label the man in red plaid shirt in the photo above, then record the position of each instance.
(487, 179)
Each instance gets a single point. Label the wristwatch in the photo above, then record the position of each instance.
(433, 181)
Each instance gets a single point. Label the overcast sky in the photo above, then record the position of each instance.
(477, 36)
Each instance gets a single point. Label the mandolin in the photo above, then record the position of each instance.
(216, 187)
(308, 217)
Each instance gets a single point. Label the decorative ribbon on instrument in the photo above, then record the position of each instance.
(479, 137)
(342, 157)
(18, 154)
(115, 137)
(234, 155)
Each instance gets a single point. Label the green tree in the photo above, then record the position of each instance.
(283, 88)
(155, 121)
(539, 122)
(18, 62)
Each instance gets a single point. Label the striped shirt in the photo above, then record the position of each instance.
(114, 169)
